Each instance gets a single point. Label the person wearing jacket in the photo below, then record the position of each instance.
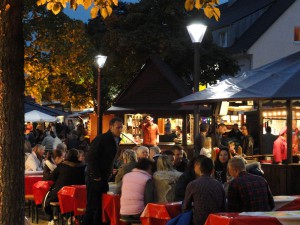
(69, 172)
(100, 161)
(137, 189)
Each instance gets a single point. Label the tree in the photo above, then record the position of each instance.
(105, 6)
(136, 31)
(58, 57)
(11, 113)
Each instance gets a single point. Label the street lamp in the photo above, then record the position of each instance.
(100, 60)
(196, 32)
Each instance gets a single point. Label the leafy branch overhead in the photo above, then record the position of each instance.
(105, 6)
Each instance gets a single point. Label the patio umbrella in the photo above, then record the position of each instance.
(277, 80)
(37, 116)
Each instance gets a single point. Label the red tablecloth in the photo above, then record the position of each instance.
(40, 190)
(290, 205)
(29, 182)
(160, 214)
(72, 197)
(236, 219)
(111, 209)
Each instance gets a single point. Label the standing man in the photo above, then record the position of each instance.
(204, 195)
(247, 192)
(150, 132)
(235, 133)
(100, 162)
(217, 137)
(268, 141)
(247, 141)
(199, 142)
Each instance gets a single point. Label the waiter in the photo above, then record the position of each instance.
(100, 162)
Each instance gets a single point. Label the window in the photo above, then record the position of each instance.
(223, 39)
(297, 34)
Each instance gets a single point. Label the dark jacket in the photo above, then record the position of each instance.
(182, 183)
(101, 156)
(67, 173)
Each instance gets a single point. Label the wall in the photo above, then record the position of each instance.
(278, 40)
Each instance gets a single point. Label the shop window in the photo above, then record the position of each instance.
(297, 34)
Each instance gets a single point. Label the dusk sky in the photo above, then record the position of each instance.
(84, 15)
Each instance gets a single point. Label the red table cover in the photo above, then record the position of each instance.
(160, 214)
(111, 209)
(236, 219)
(79, 198)
(72, 197)
(40, 190)
(291, 206)
(30, 180)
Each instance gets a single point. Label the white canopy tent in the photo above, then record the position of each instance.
(37, 116)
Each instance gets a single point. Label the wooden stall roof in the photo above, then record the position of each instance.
(152, 90)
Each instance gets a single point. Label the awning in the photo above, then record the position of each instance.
(277, 80)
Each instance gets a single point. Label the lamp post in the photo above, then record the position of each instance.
(100, 60)
(196, 32)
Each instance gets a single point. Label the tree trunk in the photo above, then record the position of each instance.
(11, 113)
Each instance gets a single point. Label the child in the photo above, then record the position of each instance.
(231, 148)
(206, 149)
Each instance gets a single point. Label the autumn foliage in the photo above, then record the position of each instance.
(105, 6)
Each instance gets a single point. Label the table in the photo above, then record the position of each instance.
(29, 181)
(287, 203)
(257, 218)
(71, 198)
(111, 209)
(40, 190)
(160, 213)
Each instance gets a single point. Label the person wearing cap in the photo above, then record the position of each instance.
(280, 148)
(150, 132)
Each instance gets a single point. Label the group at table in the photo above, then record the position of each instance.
(160, 213)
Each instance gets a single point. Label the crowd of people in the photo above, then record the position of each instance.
(146, 174)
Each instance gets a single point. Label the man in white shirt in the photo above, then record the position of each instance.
(34, 162)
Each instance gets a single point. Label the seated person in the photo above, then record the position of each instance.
(154, 152)
(231, 148)
(137, 190)
(180, 160)
(142, 152)
(170, 154)
(221, 165)
(69, 172)
(165, 179)
(129, 163)
(187, 176)
(52, 160)
(34, 161)
(204, 195)
(247, 192)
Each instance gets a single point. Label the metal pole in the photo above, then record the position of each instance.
(99, 117)
(196, 88)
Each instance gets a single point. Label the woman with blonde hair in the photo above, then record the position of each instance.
(165, 179)
(206, 149)
(129, 162)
